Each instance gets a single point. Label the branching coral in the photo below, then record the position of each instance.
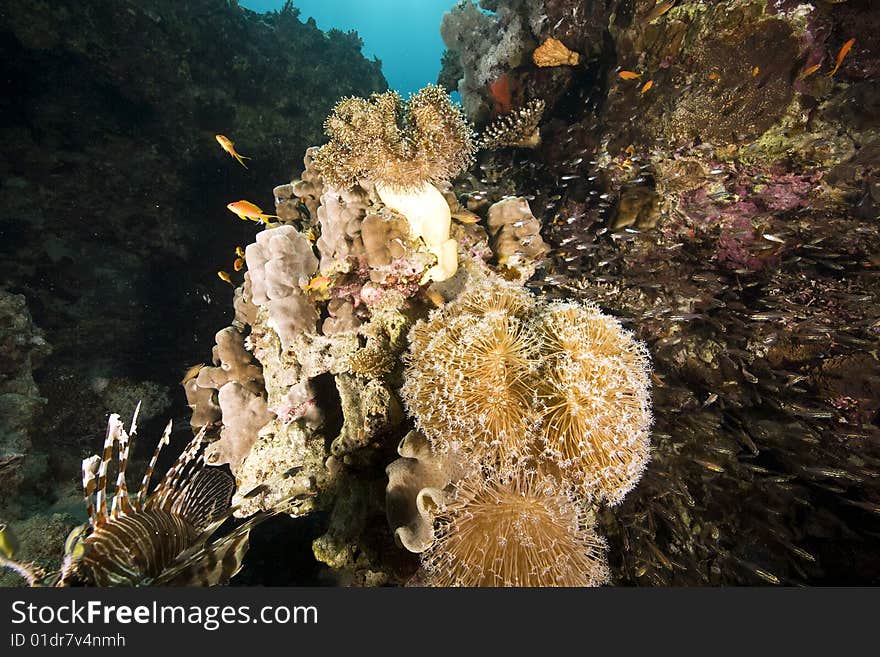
(517, 128)
(519, 531)
(594, 388)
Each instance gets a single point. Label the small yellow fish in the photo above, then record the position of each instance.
(647, 85)
(464, 216)
(714, 77)
(239, 252)
(435, 297)
(223, 276)
(629, 75)
(845, 48)
(659, 9)
(709, 465)
(807, 72)
(318, 284)
(247, 210)
(229, 147)
(238, 264)
(8, 542)
(191, 373)
(755, 71)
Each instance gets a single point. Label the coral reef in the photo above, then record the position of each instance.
(322, 413)
(22, 348)
(521, 532)
(113, 187)
(706, 175)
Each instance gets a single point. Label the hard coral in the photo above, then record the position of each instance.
(468, 380)
(517, 128)
(401, 146)
(554, 53)
(521, 531)
(415, 491)
(594, 388)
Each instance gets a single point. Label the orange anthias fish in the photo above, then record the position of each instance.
(629, 75)
(247, 210)
(809, 71)
(845, 48)
(227, 145)
(647, 86)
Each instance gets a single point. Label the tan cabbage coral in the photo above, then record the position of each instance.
(403, 150)
(515, 235)
(415, 491)
(518, 128)
(595, 390)
(522, 531)
(469, 377)
(555, 53)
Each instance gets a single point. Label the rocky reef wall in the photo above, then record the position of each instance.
(113, 188)
(708, 171)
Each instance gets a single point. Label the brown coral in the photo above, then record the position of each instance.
(468, 382)
(595, 392)
(401, 146)
(522, 531)
(518, 128)
(415, 491)
(554, 53)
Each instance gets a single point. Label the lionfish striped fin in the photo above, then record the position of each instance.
(215, 563)
(178, 474)
(90, 475)
(121, 502)
(205, 497)
(211, 564)
(113, 428)
(145, 482)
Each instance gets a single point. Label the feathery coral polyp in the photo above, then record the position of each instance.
(469, 384)
(521, 531)
(398, 145)
(594, 389)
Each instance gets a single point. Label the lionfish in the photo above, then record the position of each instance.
(161, 537)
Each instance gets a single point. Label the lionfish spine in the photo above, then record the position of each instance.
(179, 472)
(148, 474)
(89, 471)
(113, 428)
(121, 502)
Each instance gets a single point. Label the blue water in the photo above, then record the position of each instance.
(403, 34)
